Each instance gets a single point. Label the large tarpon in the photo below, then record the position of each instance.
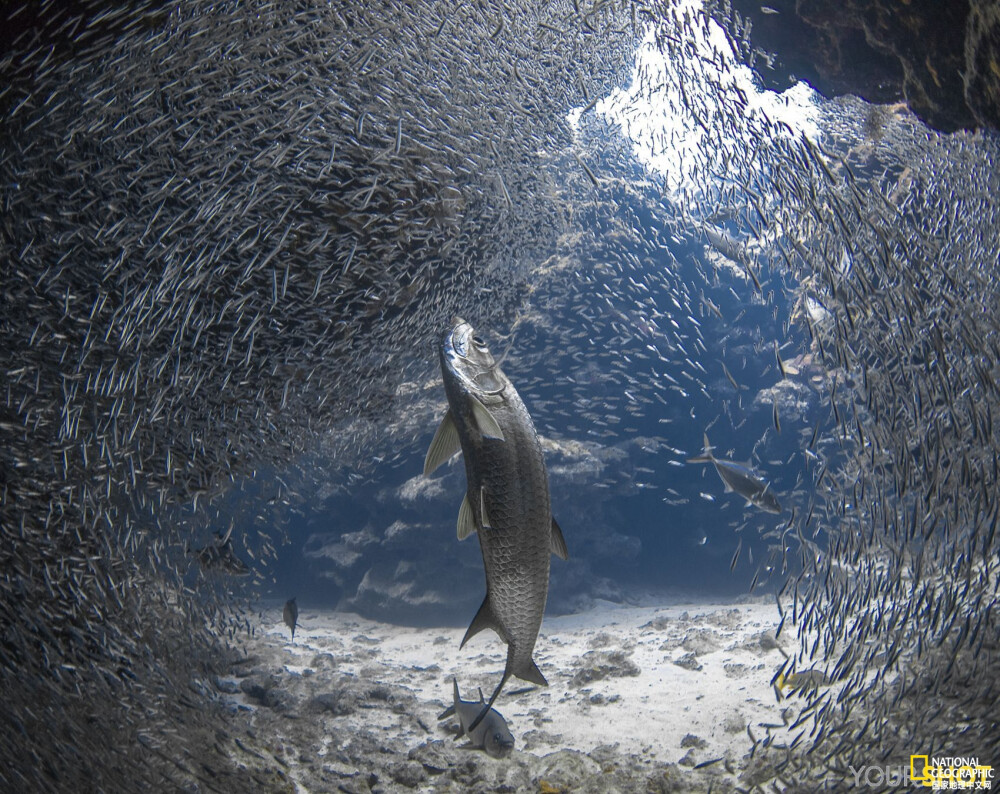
(506, 500)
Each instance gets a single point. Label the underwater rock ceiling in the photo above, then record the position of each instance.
(941, 58)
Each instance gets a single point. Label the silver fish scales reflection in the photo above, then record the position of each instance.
(506, 500)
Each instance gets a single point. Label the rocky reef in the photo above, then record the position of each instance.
(941, 59)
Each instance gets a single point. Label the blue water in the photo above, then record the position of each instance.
(648, 524)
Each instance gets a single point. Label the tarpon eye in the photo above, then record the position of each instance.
(478, 342)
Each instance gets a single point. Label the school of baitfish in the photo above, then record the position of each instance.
(232, 231)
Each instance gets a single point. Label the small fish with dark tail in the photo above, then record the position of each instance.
(506, 501)
(219, 555)
(741, 480)
(491, 734)
(291, 615)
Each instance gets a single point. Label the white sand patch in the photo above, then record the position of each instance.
(611, 671)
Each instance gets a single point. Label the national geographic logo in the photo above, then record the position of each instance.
(948, 773)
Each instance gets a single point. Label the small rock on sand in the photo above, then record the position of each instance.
(689, 662)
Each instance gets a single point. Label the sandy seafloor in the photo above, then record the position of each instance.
(640, 698)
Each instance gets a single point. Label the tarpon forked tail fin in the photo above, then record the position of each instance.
(530, 673)
(706, 456)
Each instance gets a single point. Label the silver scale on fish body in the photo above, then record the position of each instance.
(506, 503)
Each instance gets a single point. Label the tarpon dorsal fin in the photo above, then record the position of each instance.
(559, 542)
(484, 420)
(444, 444)
(487, 524)
(466, 519)
(484, 619)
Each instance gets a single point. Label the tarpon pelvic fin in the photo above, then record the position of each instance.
(466, 519)
(487, 524)
(444, 444)
(558, 542)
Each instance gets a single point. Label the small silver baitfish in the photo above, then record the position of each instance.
(219, 555)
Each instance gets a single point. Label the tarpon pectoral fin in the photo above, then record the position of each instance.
(484, 420)
(484, 619)
(444, 444)
(487, 524)
(559, 542)
(446, 713)
(466, 519)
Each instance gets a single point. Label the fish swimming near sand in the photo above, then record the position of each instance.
(491, 734)
(804, 682)
(741, 480)
(220, 556)
(291, 615)
(506, 500)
